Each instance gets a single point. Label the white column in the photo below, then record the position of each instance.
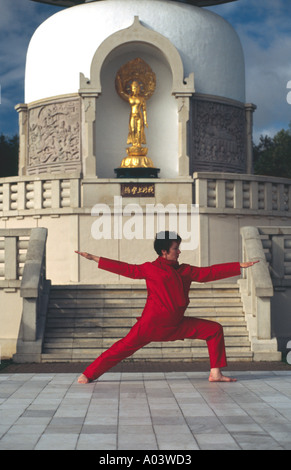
(88, 138)
(183, 118)
(23, 137)
(249, 110)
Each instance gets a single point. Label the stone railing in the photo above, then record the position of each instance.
(277, 246)
(256, 292)
(22, 269)
(234, 193)
(35, 293)
(33, 283)
(19, 194)
(213, 192)
(13, 250)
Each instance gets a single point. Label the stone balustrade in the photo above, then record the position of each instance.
(33, 284)
(234, 193)
(23, 292)
(25, 194)
(277, 247)
(213, 192)
(256, 293)
(13, 250)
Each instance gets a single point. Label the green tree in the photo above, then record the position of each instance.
(272, 156)
(9, 147)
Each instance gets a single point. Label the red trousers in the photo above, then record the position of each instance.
(140, 335)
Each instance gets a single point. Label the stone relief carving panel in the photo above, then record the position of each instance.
(54, 137)
(218, 137)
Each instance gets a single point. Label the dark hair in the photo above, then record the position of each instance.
(164, 240)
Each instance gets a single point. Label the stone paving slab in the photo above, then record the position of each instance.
(146, 411)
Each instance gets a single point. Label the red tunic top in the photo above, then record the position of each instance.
(168, 284)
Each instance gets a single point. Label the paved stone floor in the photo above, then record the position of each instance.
(145, 411)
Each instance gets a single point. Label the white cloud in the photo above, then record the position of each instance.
(264, 30)
(270, 131)
(268, 71)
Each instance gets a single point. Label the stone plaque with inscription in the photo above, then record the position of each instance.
(137, 190)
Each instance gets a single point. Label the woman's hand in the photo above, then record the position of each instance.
(248, 264)
(88, 256)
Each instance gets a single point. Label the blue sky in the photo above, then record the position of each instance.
(264, 28)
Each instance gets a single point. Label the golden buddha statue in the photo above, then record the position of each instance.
(135, 83)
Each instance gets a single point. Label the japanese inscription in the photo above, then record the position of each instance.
(137, 189)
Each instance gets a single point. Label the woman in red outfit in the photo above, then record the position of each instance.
(168, 285)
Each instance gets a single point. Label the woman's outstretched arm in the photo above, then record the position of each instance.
(134, 271)
(248, 264)
(218, 271)
(88, 256)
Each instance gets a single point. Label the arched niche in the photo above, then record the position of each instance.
(106, 119)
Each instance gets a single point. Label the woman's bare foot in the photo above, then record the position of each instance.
(216, 376)
(83, 379)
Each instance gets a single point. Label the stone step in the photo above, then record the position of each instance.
(126, 322)
(84, 321)
(138, 296)
(134, 307)
(72, 355)
(125, 294)
(70, 314)
(92, 343)
(67, 320)
(230, 328)
(82, 289)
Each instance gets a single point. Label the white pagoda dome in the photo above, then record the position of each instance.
(64, 45)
